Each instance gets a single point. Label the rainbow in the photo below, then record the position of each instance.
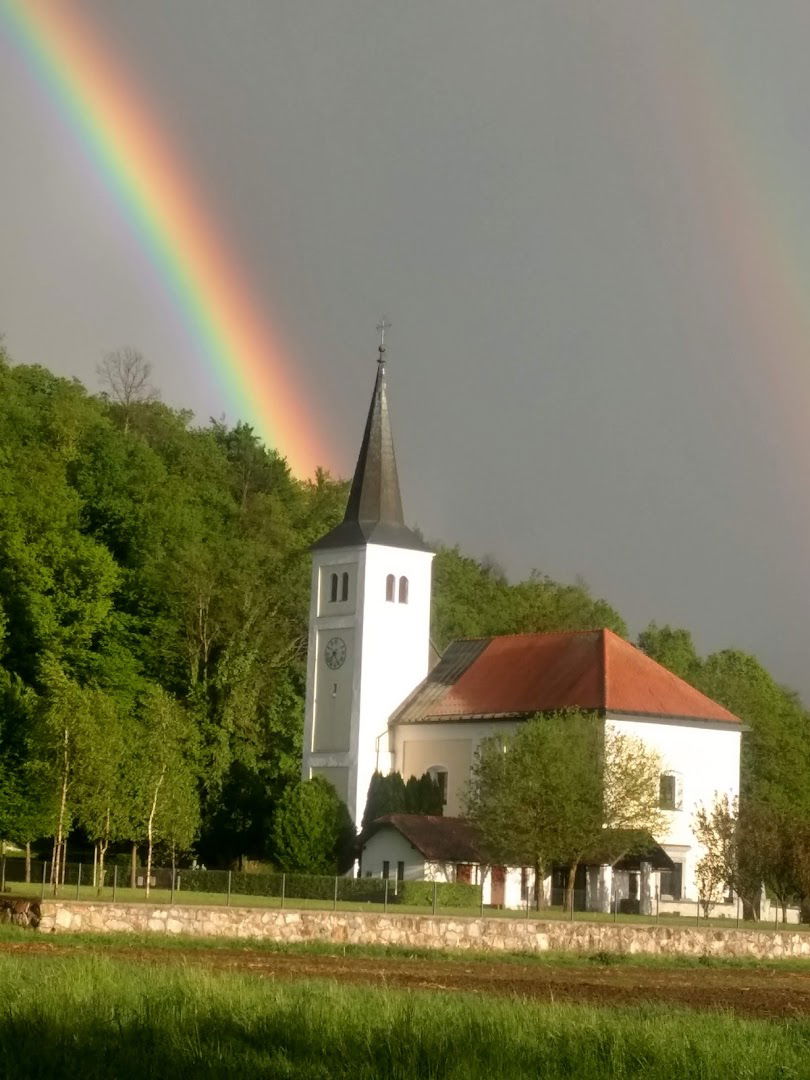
(749, 209)
(157, 197)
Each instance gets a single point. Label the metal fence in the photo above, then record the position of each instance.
(119, 883)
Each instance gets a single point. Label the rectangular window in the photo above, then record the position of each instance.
(442, 779)
(668, 792)
(400, 871)
(386, 869)
(672, 882)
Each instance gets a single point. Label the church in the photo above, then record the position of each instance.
(377, 699)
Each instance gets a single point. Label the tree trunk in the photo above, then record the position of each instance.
(569, 885)
(538, 884)
(101, 845)
(149, 825)
(27, 862)
(133, 867)
(102, 851)
(57, 860)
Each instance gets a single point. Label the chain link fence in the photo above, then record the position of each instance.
(119, 883)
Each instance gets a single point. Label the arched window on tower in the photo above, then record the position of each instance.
(344, 589)
(390, 586)
(403, 590)
(438, 773)
(333, 589)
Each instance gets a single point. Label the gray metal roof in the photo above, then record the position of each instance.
(374, 511)
(456, 659)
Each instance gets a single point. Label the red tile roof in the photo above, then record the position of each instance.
(521, 674)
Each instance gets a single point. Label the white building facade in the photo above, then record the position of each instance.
(372, 704)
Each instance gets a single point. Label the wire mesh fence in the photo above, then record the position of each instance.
(118, 883)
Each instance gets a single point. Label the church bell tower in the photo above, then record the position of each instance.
(369, 622)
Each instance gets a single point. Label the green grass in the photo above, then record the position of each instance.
(219, 899)
(94, 1018)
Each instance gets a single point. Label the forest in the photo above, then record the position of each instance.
(154, 597)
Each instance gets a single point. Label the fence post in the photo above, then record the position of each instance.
(738, 912)
(283, 884)
(481, 887)
(78, 880)
(385, 897)
(44, 875)
(614, 901)
(171, 889)
(571, 912)
(434, 897)
(115, 880)
(334, 905)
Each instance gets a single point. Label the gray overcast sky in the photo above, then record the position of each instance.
(588, 222)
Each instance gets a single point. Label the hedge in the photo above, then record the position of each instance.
(450, 894)
(296, 886)
(314, 887)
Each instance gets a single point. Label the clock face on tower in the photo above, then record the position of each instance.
(335, 653)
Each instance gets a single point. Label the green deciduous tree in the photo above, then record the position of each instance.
(559, 788)
(674, 649)
(165, 774)
(474, 599)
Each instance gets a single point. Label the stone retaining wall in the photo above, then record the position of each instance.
(420, 931)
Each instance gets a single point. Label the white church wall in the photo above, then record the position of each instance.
(393, 656)
(418, 747)
(705, 762)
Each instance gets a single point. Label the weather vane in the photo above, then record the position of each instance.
(382, 326)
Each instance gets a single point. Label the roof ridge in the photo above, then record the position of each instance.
(539, 633)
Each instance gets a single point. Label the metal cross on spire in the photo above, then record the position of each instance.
(382, 326)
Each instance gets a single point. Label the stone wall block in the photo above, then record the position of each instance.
(421, 931)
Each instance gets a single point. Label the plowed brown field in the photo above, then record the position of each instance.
(763, 992)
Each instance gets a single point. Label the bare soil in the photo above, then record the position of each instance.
(754, 992)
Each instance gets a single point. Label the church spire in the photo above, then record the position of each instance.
(374, 510)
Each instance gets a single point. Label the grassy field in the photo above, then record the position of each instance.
(219, 899)
(94, 1017)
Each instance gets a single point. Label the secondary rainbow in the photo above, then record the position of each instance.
(157, 195)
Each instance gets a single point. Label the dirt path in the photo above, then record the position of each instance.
(764, 992)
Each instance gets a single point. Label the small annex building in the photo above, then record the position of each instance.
(377, 701)
(422, 847)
